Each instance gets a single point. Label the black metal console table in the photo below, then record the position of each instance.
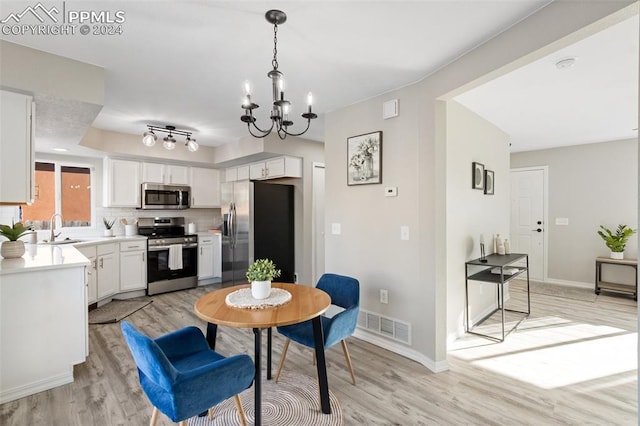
(507, 269)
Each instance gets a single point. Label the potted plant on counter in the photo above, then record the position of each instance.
(616, 241)
(260, 274)
(108, 224)
(13, 248)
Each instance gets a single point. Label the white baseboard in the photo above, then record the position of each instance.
(567, 283)
(21, 391)
(434, 366)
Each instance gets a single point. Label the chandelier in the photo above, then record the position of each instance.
(280, 112)
(149, 137)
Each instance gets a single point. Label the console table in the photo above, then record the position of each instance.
(507, 270)
(618, 287)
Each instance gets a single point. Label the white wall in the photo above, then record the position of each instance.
(591, 185)
(470, 212)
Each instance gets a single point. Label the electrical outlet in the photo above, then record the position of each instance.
(384, 296)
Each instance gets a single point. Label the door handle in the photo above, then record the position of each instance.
(537, 230)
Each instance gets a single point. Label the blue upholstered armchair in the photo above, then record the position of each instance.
(182, 376)
(345, 293)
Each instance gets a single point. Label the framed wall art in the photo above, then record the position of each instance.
(477, 176)
(488, 182)
(364, 159)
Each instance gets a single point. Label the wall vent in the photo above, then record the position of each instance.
(385, 326)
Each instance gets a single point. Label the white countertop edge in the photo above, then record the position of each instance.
(40, 257)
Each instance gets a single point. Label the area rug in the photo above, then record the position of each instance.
(294, 400)
(115, 310)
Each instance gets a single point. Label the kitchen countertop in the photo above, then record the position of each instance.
(42, 257)
(50, 256)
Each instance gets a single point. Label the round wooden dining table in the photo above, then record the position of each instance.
(307, 303)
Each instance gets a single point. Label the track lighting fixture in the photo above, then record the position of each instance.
(149, 137)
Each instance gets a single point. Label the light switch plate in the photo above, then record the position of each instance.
(336, 229)
(562, 220)
(404, 233)
(391, 191)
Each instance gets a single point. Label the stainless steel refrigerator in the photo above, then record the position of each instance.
(258, 223)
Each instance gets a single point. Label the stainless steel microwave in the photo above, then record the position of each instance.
(165, 197)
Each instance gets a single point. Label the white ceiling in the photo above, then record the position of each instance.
(184, 62)
(595, 100)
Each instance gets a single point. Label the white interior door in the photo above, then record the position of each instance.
(318, 221)
(528, 218)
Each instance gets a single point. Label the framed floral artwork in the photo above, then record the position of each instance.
(364, 159)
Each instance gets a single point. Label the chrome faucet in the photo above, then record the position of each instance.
(52, 225)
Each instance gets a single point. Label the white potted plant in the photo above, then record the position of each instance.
(13, 248)
(616, 241)
(260, 274)
(108, 224)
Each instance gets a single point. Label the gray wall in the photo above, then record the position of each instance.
(415, 160)
(591, 185)
(470, 212)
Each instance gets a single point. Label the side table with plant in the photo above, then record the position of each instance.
(260, 274)
(616, 241)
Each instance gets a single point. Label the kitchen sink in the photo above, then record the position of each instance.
(65, 241)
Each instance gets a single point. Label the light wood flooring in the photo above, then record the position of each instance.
(572, 362)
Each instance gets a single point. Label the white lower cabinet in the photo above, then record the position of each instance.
(133, 266)
(116, 267)
(107, 266)
(209, 252)
(91, 273)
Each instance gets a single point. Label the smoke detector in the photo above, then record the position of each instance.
(565, 63)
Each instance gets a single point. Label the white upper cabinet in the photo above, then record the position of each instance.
(165, 173)
(205, 187)
(121, 183)
(276, 168)
(16, 148)
(233, 174)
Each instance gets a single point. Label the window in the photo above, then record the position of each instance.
(60, 188)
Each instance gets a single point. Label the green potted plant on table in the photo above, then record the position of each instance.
(260, 274)
(616, 241)
(13, 248)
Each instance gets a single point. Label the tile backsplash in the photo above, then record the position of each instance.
(204, 219)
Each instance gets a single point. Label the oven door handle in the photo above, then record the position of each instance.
(184, 246)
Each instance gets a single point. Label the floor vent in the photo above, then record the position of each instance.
(385, 326)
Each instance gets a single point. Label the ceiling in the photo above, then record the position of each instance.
(184, 62)
(595, 100)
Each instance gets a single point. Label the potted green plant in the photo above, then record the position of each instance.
(108, 224)
(260, 274)
(13, 248)
(616, 241)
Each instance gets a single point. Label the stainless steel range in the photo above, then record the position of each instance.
(172, 256)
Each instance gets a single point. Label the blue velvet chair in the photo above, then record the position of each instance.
(182, 376)
(345, 293)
